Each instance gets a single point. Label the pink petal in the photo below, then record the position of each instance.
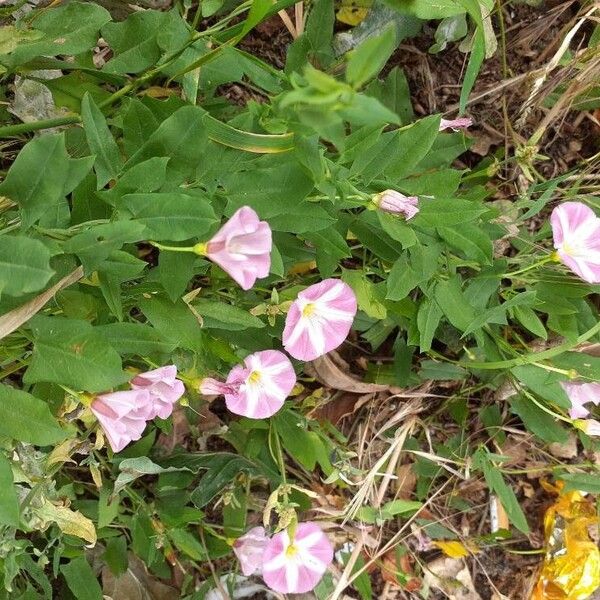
(164, 388)
(576, 233)
(265, 381)
(122, 415)
(580, 394)
(319, 320)
(300, 571)
(242, 247)
(455, 124)
(249, 550)
(395, 202)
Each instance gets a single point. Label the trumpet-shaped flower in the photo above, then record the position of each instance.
(164, 388)
(249, 550)
(319, 319)
(580, 394)
(296, 566)
(397, 203)
(576, 232)
(456, 124)
(258, 388)
(123, 415)
(589, 426)
(242, 247)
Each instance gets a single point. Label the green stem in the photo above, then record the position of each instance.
(535, 265)
(173, 248)
(534, 357)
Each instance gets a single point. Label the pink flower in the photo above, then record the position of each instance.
(296, 566)
(123, 415)
(589, 426)
(576, 232)
(580, 394)
(258, 388)
(397, 203)
(319, 319)
(242, 247)
(249, 550)
(455, 124)
(165, 389)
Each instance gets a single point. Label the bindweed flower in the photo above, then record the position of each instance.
(455, 124)
(580, 394)
(296, 566)
(123, 415)
(250, 549)
(242, 247)
(576, 232)
(319, 320)
(397, 203)
(258, 388)
(164, 388)
(589, 426)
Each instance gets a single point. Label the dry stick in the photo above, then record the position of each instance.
(396, 448)
(551, 65)
(299, 14)
(15, 318)
(288, 23)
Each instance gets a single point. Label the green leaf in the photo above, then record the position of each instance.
(441, 371)
(450, 298)
(175, 270)
(73, 353)
(175, 321)
(171, 216)
(69, 29)
(447, 212)
(219, 315)
(134, 41)
(222, 468)
(187, 543)
(133, 468)
(138, 125)
(95, 245)
(538, 421)
(428, 319)
(108, 158)
(370, 57)
(42, 175)
(24, 265)
(368, 295)
(81, 579)
(583, 482)
(295, 439)
(9, 502)
(496, 483)
(135, 338)
(471, 240)
(527, 317)
(115, 555)
(429, 9)
(182, 137)
(25, 418)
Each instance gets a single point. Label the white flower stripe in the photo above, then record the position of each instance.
(312, 539)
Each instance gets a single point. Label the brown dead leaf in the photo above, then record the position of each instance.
(566, 450)
(406, 482)
(329, 373)
(16, 317)
(452, 577)
(390, 569)
(180, 430)
(336, 409)
(135, 584)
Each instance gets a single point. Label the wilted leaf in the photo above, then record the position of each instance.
(69, 521)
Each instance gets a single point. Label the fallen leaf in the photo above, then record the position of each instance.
(565, 450)
(452, 548)
(325, 370)
(406, 481)
(135, 584)
(15, 318)
(452, 577)
(71, 522)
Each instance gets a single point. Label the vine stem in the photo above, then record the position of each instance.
(535, 265)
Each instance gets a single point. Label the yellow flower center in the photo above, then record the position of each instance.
(291, 551)
(254, 377)
(308, 310)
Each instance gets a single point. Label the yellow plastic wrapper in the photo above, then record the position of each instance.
(571, 569)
